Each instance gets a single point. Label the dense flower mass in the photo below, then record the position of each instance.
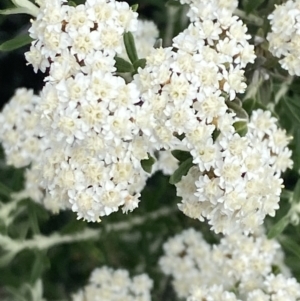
(100, 127)
(106, 284)
(238, 268)
(21, 138)
(184, 88)
(87, 111)
(25, 142)
(187, 91)
(243, 185)
(284, 38)
(70, 39)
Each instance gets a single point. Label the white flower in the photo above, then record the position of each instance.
(240, 266)
(284, 37)
(236, 181)
(108, 284)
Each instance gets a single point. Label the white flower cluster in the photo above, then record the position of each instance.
(186, 92)
(207, 9)
(88, 112)
(184, 88)
(284, 38)
(24, 143)
(238, 268)
(100, 128)
(244, 185)
(20, 136)
(83, 38)
(106, 284)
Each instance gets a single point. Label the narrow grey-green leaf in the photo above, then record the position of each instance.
(130, 46)
(296, 150)
(293, 107)
(173, 3)
(241, 128)
(4, 190)
(251, 5)
(158, 43)
(14, 11)
(216, 134)
(16, 43)
(237, 108)
(123, 65)
(248, 105)
(148, 163)
(181, 171)
(290, 244)
(181, 155)
(72, 3)
(296, 194)
(141, 63)
(278, 228)
(41, 262)
(134, 7)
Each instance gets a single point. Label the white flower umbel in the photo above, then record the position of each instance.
(87, 110)
(236, 181)
(284, 38)
(208, 9)
(240, 267)
(106, 284)
(185, 87)
(72, 36)
(21, 137)
(94, 159)
(25, 142)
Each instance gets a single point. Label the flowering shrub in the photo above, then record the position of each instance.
(187, 123)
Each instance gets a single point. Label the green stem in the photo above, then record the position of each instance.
(42, 242)
(283, 89)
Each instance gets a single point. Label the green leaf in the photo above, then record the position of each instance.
(296, 194)
(295, 86)
(16, 43)
(33, 219)
(181, 171)
(134, 7)
(41, 262)
(141, 63)
(173, 3)
(248, 105)
(72, 3)
(158, 43)
(4, 190)
(286, 194)
(251, 5)
(290, 244)
(123, 65)
(293, 108)
(241, 128)
(28, 5)
(130, 46)
(296, 149)
(148, 163)
(181, 155)
(277, 228)
(17, 293)
(236, 107)
(6, 259)
(13, 11)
